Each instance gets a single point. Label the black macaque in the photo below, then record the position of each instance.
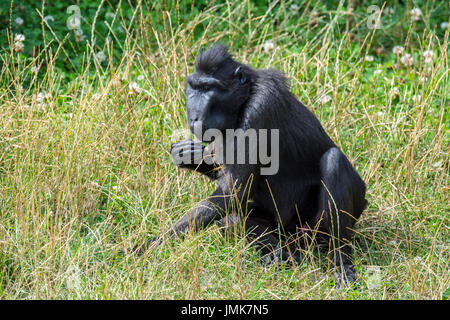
(315, 193)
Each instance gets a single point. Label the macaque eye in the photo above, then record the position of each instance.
(240, 75)
(206, 88)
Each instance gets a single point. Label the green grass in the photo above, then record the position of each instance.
(85, 173)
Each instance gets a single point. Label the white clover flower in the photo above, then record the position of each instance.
(398, 50)
(445, 25)
(95, 184)
(18, 46)
(380, 113)
(369, 58)
(268, 46)
(415, 13)
(19, 21)
(134, 88)
(74, 22)
(324, 99)
(49, 18)
(140, 77)
(100, 56)
(42, 96)
(429, 56)
(96, 96)
(377, 72)
(80, 37)
(437, 164)
(294, 8)
(19, 38)
(109, 15)
(393, 242)
(388, 11)
(394, 92)
(407, 60)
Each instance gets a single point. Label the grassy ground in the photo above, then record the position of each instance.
(85, 171)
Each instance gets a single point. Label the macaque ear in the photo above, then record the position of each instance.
(240, 75)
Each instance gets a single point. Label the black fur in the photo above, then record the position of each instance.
(210, 61)
(316, 190)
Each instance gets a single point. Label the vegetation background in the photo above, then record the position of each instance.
(92, 96)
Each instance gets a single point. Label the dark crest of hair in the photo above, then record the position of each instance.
(213, 58)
